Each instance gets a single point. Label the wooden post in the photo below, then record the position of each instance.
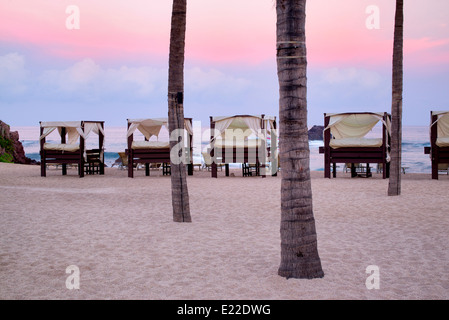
(101, 143)
(147, 165)
(353, 171)
(387, 148)
(433, 145)
(63, 140)
(368, 171)
(43, 155)
(214, 173)
(385, 144)
(190, 164)
(263, 153)
(82, 148)
(327, 156)
(273, 150)
(130, 155)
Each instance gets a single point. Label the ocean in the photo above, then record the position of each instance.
(414, 139)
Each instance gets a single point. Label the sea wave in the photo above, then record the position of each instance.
(413, 157)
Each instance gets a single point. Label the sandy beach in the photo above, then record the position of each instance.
(120, 234)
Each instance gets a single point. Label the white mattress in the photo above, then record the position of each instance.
(442, 142)
(250, 143)
(150, 145)
(61, 147)
(355, 142)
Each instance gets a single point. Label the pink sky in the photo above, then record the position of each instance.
(119, 58)
(239, 32)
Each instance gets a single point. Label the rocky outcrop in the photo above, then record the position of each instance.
(316, 133)
(11, 149)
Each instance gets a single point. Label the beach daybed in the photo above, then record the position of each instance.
(72, 148)
(154, 152)
(345, 142)
(439, 142)
(231, 142)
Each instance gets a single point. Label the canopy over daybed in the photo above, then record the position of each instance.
(152, 127)
(255, 123)
(355, 125)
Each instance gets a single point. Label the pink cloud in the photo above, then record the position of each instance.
(424, 44)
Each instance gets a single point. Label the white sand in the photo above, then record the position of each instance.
(119, 232)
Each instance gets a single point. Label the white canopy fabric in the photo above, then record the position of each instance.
(73, 128)
(223, 123)
(55, 124)
(442, 123)
(219, 118)
(94, 127)
(354, 125)
(150, 145)
(148, 127)
(152, 127)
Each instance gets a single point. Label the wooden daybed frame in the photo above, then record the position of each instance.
(356, 154)
(253, 158)
(438, 154)
(88, 161)
(160, 155)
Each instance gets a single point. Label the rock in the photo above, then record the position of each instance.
(11, 149)
(19, 152)
(118, 162)
(6, 144)
(316, 133)
(4, 130)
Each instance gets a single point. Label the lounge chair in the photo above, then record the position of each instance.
(357, 169)
(124, 158)
(249, 168)
(208, 162)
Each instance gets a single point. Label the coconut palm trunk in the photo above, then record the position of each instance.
(394, 185)
(299, 252)
(180, 194)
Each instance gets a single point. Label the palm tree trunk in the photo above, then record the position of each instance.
(394, 185)
(299, 252)
(180, 194)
